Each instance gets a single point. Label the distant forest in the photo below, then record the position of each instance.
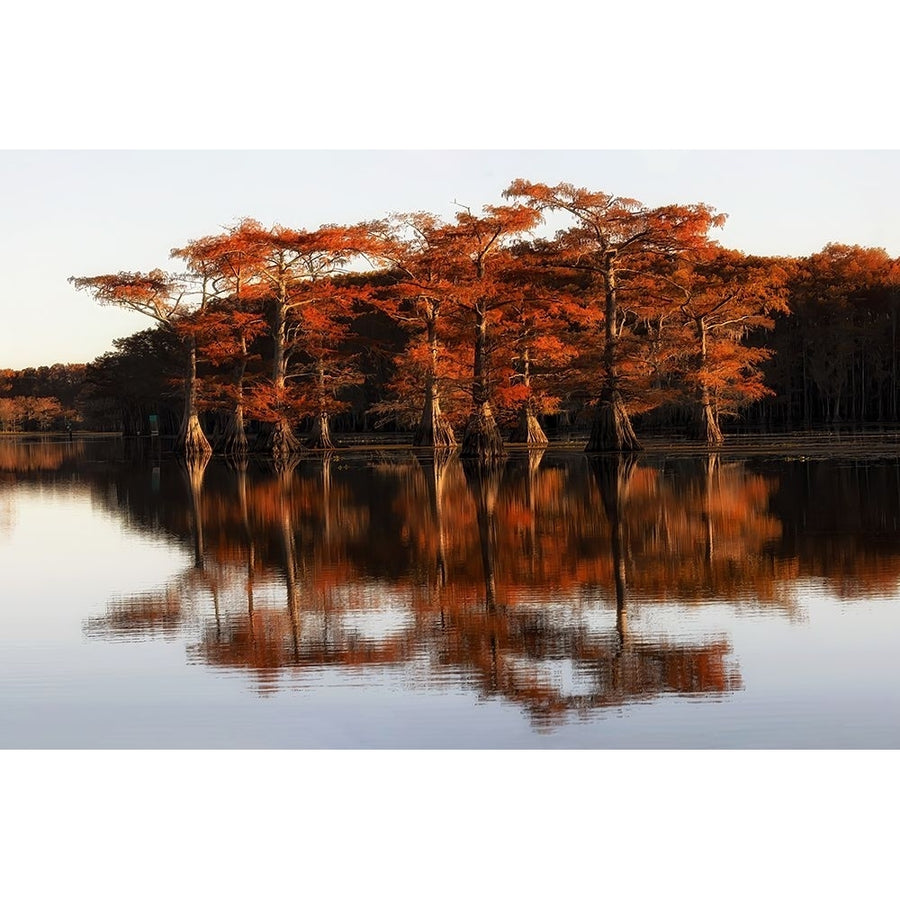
(629, 320)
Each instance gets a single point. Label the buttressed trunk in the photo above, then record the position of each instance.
(528, 430)
(320, 437)
(433, 430)
(481, 439)
(707, 427)
(281, 442)
(707, 424)
(191, 442)
(235, 440)
(611, 429)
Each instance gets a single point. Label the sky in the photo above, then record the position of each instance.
(110, 118)
(90, 212)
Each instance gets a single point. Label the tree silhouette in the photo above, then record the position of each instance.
(170, 302)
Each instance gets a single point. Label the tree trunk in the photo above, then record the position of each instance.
(806, 404)
(707, 427)
(482, 439)
(611, 430)
(528, 430)
(894, 359)
(706, 422)
(282, 442)
(433, 430)
(320, 436)
(234, 441)
(191, 442)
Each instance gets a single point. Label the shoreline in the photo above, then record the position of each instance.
(798, 445)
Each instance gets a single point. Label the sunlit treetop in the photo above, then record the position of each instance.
(621, 224)
(156, 294)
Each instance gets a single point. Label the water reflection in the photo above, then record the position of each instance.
(510, 579)
(527, 582)
(20, 457)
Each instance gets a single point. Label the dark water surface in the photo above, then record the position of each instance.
(385, 599)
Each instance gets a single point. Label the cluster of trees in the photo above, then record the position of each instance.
(30, 413)
(461, 327)
(40, 399)
(457, 330)
(835, 358)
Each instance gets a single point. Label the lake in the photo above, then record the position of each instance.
(388, 599)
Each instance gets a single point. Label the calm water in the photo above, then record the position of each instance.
(388, 600)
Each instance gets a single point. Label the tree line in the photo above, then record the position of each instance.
(41, 399)
(458, 330)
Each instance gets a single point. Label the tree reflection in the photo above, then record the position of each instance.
(193, 470)
(23, 457)
(701, 529)
(436, 468)
(523, 477)
(526, 580)
(613, 476)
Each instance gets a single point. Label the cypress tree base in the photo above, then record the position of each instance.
(192, 443)
(529, 430)
(234, 441)
(707, 428)
(282, 443)
(482, 439)
(611, 430)
(320, 436)
(433, 430)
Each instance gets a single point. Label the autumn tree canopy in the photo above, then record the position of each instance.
(460, 329)
(613, 239)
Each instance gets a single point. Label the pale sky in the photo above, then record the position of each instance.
(92, 212)
(403, 74)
